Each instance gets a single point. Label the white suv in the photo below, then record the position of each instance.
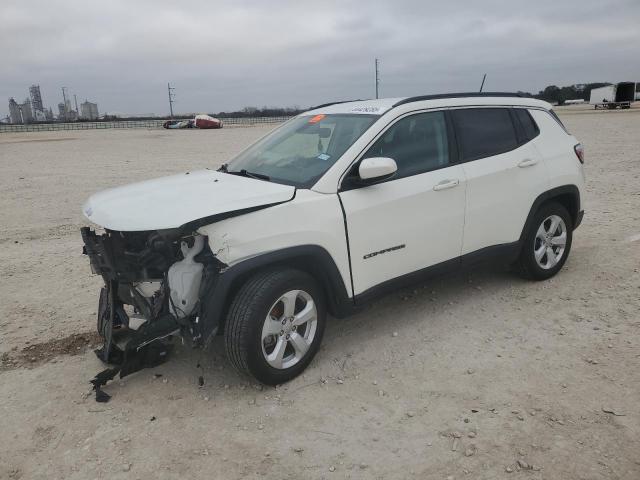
(325, 213)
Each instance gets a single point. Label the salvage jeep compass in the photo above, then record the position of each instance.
(325, 213)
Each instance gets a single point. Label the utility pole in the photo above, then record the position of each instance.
(172, 95)
(377, 77)
(482, 84)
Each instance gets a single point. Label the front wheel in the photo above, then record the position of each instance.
(275, 325)
(547, 243)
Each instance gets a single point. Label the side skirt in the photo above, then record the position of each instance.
(507, 252)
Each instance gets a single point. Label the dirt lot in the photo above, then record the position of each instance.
(461, 377)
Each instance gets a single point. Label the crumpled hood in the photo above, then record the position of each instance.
(170, 202)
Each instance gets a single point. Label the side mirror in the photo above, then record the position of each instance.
(376, 169)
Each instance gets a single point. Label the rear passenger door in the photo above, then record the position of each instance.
(415, 219)
(504, 172)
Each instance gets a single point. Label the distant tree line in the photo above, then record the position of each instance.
(261, 112)
(551, 94)
(559, 95)
(244, 113)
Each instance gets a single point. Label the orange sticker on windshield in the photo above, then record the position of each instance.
(317, 118)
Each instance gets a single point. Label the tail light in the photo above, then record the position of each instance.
(579, 149)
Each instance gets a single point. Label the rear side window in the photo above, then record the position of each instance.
(484, 132)
(528, 128)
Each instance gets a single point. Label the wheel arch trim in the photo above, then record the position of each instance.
(556, 192)
(312, 259)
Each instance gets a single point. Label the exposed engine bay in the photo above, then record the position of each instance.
(162, 276)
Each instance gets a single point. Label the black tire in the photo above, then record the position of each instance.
(526, 264)
(248, 312)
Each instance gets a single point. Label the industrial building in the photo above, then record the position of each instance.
(14, 111)
(36, 99)
(26, 111)
(88, 110)
(66, 113)
(33, 109)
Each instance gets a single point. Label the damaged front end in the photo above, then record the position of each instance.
(163, 275)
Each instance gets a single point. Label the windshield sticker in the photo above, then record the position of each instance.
(323, 156)
(366, 109)
(317, 118)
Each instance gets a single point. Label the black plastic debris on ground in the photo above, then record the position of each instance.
(147, 356)
(145, 347)
(102, 396)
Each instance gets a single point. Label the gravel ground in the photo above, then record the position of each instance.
(477, 375)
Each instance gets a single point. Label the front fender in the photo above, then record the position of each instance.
(306, 233)
(311, 258)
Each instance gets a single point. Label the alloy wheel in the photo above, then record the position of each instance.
(289, 329)
(549, 244)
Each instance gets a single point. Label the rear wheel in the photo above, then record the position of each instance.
(547, 242)
(275, 325)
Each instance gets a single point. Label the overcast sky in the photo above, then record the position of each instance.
(224, 55)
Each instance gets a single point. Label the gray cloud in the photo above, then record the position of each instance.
(228, 54)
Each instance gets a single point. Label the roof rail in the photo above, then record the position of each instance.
(332, 103)
(458, 95)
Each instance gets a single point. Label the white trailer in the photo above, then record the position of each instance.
(603, 95)
(613, 96)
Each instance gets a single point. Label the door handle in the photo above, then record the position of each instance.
(443, 185)
(528, 162)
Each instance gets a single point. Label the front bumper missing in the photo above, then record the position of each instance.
(129, 262)
(142, 348)
(126, 350)
(96, 250)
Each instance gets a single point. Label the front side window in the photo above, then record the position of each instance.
(303, 149)
(484, 132)
(417, 143)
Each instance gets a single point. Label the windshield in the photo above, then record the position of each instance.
(303, 149)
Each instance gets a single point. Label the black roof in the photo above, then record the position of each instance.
(458, 95)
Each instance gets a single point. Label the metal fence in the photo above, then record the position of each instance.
(150, 124)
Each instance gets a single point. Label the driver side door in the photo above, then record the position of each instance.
(415, 219)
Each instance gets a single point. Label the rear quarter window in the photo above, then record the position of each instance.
(484, 132)
(557, 119)
(528, 128)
